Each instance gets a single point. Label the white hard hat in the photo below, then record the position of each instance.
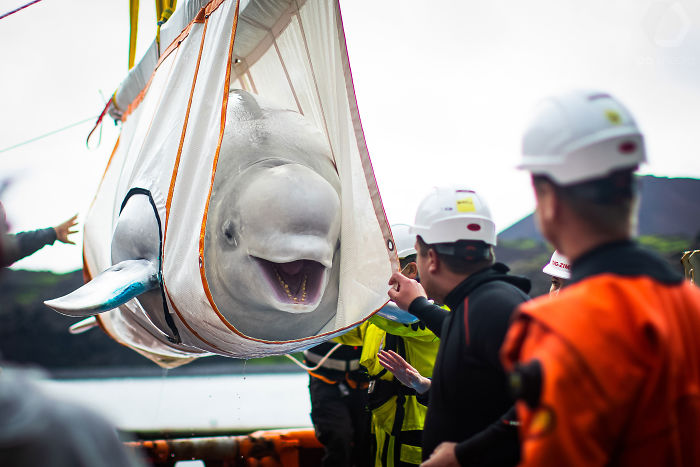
(404, 241)
(581, 135)
(558, 266)
(449, 214)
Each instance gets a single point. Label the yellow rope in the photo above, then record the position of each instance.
(133, 30)
(164, 10)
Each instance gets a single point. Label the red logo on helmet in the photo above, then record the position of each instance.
(628, 147)
(474, 227)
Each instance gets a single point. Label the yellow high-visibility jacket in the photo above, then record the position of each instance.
(398, 413)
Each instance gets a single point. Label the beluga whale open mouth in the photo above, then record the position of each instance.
(297, 285)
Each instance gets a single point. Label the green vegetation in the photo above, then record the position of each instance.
(26, 297)
(523, 244)
(666, 245)
(527, 257)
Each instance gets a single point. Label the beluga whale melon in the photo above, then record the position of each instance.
(238, 214)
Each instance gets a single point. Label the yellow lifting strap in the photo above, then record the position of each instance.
(164, 9)
(133, 30)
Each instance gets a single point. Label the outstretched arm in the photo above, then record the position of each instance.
(403, 371)
(22, 244)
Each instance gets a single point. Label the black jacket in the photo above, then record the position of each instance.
(469, 392)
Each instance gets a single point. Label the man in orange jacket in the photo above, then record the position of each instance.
(608, 371)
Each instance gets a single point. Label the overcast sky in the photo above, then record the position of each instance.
(444, 89)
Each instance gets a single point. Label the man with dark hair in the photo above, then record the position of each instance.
(455, 235)
(606, 372)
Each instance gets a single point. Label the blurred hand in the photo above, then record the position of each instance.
(443, 456)
(403, 371)
(406, 290)
(63, 230)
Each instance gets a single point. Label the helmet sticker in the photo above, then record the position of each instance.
(466, 205)
(613, 116)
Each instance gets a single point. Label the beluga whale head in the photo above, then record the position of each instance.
(271, 247)
(286, 219)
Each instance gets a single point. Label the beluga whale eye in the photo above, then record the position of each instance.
(229, 233)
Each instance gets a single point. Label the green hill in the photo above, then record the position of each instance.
(669, 223)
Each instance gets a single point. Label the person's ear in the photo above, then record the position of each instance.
(548, 205)
(433, 261)
(410, 270)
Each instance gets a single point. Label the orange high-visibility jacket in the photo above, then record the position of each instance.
(608, 372)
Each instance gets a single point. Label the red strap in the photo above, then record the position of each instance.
(99, 120)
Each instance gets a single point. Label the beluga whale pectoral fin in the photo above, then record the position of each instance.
(113, 287)
(84, 325)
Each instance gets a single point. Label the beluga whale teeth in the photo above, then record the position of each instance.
(299, 282)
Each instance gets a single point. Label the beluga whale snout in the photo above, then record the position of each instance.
(289, 222)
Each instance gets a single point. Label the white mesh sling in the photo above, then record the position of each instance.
(240, 188)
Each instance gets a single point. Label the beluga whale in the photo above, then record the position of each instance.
(272, 242)
(238, 213)
(272, 236)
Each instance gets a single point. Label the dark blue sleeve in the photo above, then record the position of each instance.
(431, 314)
(28, 243)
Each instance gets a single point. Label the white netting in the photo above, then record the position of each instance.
(293, 54)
